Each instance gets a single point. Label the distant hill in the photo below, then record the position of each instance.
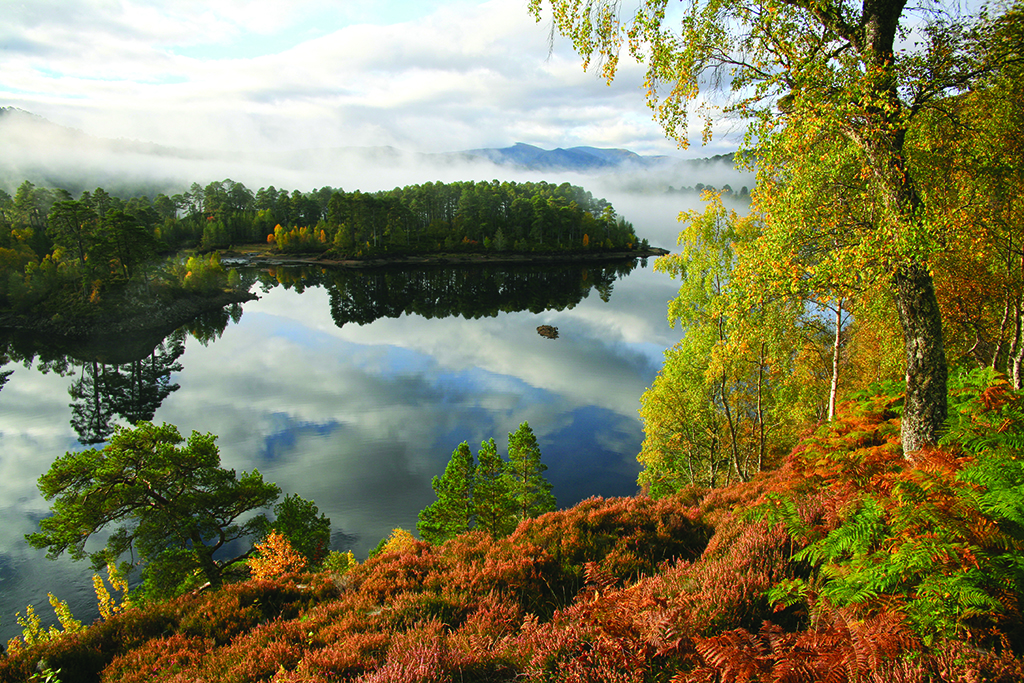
(43, 132)
(575, 158)
(45, 153)
(48, 154)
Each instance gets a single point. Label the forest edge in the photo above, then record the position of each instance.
(259, 255)
(162, 318)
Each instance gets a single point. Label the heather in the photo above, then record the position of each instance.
(847, 563)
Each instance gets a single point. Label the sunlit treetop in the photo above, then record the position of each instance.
(829, 89)
(757, 58)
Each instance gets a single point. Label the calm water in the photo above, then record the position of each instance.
(358, 417)
(333, 392)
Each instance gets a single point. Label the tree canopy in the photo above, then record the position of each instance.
(307, 530)
(62, 256)
(529, 488)
(491, 495)
(831, 105)
(160, 496)
(453, 511)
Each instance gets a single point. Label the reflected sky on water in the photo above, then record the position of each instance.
(359, 418)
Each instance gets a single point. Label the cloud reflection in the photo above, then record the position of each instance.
(360, 418)
(367, 415)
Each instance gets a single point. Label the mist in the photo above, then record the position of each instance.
(47, 155)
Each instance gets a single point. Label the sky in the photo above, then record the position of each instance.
(418, 75)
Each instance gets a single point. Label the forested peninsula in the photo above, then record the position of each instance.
(94, 264)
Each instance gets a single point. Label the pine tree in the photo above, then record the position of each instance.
(530, 490)
(452, 513)
(173, 505)
(307, 530)
(492, 500)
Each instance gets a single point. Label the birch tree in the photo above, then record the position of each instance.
(822, 86)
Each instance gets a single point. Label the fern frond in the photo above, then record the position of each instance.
(788, 592)
(737, 655)
(865, 527)
(598, 577)
(779, 509)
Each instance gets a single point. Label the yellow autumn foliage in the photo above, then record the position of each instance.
(275, 557)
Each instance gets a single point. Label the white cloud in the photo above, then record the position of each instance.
(271, 75)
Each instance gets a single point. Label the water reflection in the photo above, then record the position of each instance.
(363, 296)
(130, 377)
(132, 390)
(4, 374)
(208, 327)
(358, 416)
(124, 377)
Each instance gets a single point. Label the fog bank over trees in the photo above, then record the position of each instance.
(48, 154)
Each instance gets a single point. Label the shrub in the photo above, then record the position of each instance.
(275, 557)
(626, 536)
(936, 541)
(807, 573)
(339, 563)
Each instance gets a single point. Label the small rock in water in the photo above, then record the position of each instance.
(548, 331)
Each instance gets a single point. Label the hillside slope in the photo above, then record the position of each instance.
(846, 564)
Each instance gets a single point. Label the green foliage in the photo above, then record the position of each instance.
(748, 371)
(339, 563)
(453, 511)
(626, 589)
(74, 226)
(169, 573)
(129, 242)
(852, 188)
(529, 489)
(172, 504)
(46, 675)
(938, 543)
(490, 496)
(493, 506)
(309, 534)
(94, 257)
(203, 274)
(465, 216)
(682, 428)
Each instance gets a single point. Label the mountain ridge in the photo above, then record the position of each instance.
(50, 154)
(572, 158)
(520, 154)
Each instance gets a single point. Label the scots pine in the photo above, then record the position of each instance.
(452, 513)
(494, 509)
(530, 490)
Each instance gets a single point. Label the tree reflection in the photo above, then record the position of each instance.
(130, 377)
(132, 390)
(470, 292)
(4, 374)
(365, 295)
(208, 327)
(127, 378)
(141, 386)
(91, 411)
